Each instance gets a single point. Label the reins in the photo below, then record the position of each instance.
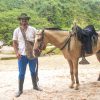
(41, 39)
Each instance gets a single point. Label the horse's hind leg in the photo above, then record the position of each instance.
(98, 57)
(71, 73)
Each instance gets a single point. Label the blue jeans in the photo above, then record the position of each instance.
(22, 64)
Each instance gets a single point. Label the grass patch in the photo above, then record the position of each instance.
(52, 50)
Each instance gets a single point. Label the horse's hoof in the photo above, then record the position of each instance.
(71, 86)
(76, 88)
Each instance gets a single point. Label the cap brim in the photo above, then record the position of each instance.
(26, 18)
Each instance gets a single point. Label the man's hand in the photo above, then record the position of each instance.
(15, 45)
(18, 55)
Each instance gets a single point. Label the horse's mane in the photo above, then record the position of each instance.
(53, 28)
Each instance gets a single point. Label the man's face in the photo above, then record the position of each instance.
(24, 22)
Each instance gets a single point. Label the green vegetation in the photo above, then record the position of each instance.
(50, 51)
(48, 13)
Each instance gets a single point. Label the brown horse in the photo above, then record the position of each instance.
(70, 46)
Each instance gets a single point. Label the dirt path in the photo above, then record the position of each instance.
(54, 80)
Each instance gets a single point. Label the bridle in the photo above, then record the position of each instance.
(41, 40)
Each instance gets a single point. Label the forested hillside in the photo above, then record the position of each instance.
(48, 13)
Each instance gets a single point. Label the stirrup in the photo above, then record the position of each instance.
(84, 61)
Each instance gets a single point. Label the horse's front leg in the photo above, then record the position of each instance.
(75, 69)
(72, 74)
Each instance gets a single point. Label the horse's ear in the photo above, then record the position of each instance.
(39, 32)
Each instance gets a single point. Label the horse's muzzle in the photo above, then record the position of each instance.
(37, 52)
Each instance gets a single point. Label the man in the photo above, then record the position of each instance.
(20, 50)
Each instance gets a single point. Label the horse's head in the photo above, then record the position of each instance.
(40, 43)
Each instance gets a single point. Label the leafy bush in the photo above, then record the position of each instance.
(48, 13)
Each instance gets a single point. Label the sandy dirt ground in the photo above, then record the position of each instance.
(54, 79)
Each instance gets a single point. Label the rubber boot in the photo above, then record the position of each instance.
(20, 91)
(34, 82)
